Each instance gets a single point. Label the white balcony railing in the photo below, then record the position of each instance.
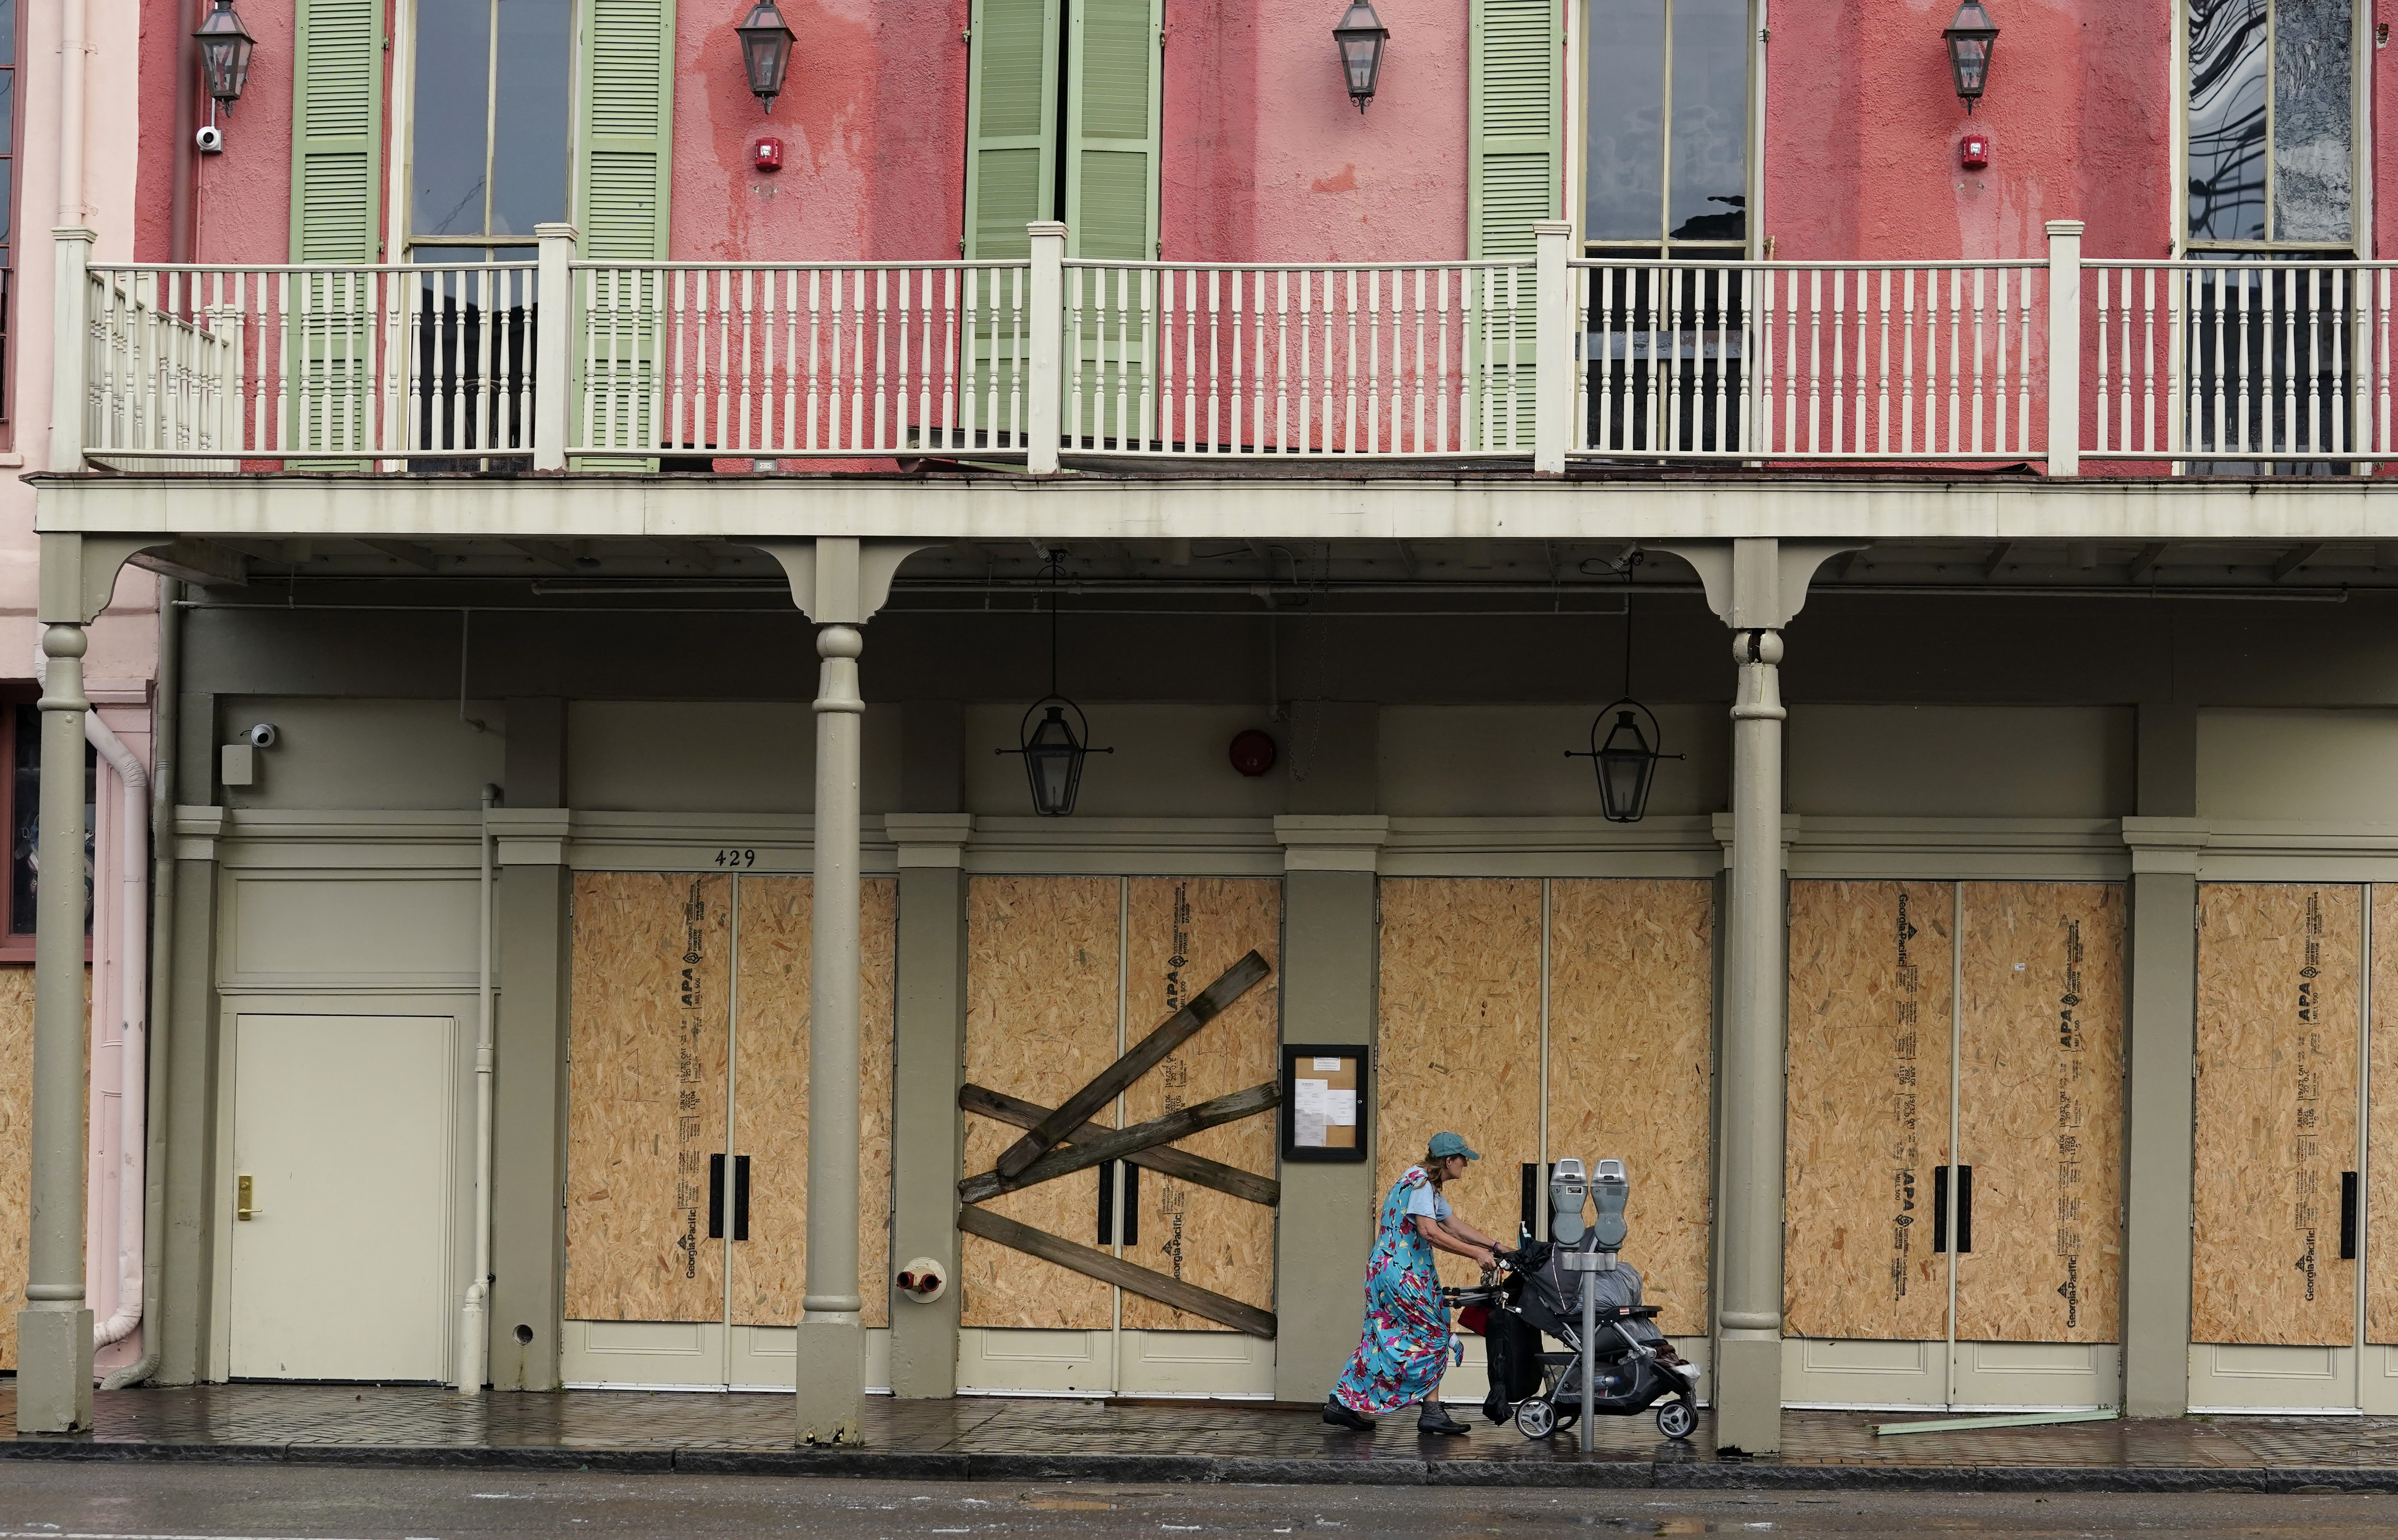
(795, 360)
(190, 366)
(2135, 363)
(2239, 361)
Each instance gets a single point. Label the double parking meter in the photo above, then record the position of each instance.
(1569, 1191)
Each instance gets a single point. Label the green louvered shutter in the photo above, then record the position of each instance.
(622, 201)
(336, 119)
(1011, 126)
(1111, 110)
(1111, 169)
(1515, 175)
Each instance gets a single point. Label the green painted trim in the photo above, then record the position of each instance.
(336, 131)
(1008, 241)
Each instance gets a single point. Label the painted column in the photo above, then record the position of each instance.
(2160, 1046)
(1748, 1308)
(832, 1341)
(54, 1331)
(1756, 587)
(1325, 1223)
(927, 1138)
(530, 935)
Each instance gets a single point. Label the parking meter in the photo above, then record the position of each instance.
(1612, 1189)
(1568, 1192)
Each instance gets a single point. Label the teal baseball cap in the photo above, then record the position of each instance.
(1445, 1145)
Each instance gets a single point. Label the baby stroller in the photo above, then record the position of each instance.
(1538, 1298)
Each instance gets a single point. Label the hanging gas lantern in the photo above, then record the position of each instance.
(1626, 760)
(1053, 748)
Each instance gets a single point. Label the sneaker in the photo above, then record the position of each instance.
(1341, 1416)
(1435, 1418)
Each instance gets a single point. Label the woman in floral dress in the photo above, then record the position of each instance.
(1405, 1346)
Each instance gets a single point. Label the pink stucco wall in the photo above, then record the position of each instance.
(872, 120)
(1863, 122)
(1263, 158)
(242, 198)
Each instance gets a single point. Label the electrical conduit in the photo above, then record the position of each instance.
(474, 1333)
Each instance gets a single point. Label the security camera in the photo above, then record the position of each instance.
(263, 736)
(209, 140)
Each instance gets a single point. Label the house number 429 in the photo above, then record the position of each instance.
(736, 857)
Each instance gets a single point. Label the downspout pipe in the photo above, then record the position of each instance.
(474, 1333)
(132, 988)
(164, 722)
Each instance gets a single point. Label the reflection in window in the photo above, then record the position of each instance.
(1667, 112)
(2271, 122)
(488, 138)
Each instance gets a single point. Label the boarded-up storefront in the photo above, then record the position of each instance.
(686, 1200)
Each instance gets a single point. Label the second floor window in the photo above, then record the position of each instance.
(2272, 124)
(488, 121)
(1665, 95)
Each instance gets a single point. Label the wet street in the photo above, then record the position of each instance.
(123, 1500)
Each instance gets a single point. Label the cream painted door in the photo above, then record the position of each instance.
(343, 1133)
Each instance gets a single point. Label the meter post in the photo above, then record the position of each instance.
(1609, 1190)
(1569, 1191)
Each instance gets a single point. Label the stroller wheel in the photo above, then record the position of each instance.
(1536, 1419)
(1675, 1418)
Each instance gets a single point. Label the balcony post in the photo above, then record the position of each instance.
(553, 344)
(1553, 354)
(70, 345)
(2065, 347)
(1045, 320)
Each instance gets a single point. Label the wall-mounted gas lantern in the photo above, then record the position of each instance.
(1361, 35)
(1971, 37)
(224, 54)
(766, 51)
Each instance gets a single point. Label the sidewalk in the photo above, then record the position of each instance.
(980, 1439)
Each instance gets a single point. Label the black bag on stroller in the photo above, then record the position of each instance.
(1541, 1297)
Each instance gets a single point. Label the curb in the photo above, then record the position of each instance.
(1693, 1476)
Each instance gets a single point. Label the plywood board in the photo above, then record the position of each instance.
(1459, 1040)
(2040, 1112)
(1041, 1007)
(2276, 1112)
(16, 1147)
(1871, 996)
(1630, 1002)
(1180, 934)
(2381, 1141)
(770, 1095)
(646, 1094)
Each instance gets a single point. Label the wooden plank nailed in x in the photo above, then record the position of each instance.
(1187, 1297)
(1120, 1143)
(1180, 1164)
(1171, 1034)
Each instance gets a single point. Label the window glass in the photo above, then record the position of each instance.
(1710, 154)
(2313, 97)
(529, 171)
(453, 77)
(2271, 115)
(1625, 169)
(488, 144)
(1666, 114)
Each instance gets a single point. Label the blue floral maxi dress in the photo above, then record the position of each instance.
(1405, 1346)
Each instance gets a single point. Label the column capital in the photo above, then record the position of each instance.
(1793, 825)
(1332, 842)
(529, 836)
(1757, 584)
(933, 840)
(2170, 845)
